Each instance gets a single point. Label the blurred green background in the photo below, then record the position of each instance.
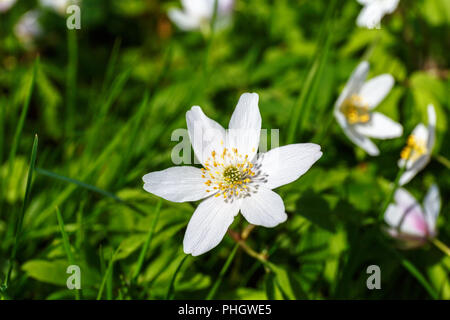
(105, 100)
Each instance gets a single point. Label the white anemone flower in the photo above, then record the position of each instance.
(233, 178)
(354, 109)
(5, 5)
(417, 152)
(197, 14)
(373, 11)
(410, 223)
(28, 28)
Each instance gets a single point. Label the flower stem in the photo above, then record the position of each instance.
(258, 256)
(443, 160)
(394, 188)
(246, 232)
(440, 245)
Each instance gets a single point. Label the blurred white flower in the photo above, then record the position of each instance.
(28, 28)
(410, 223)
(234, 177)
(373, 11)
(197, 14)
(59, 6)
(353, 109)
(417, 152)
(5, 5)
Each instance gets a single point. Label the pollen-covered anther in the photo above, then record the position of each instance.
(355, 111)
(414, 149)
(233, 174)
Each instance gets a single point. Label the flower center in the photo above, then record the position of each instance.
(414, 149)
(355, 111)
(231, 175)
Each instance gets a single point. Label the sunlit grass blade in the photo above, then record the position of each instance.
(147, 243)
(107, 274)
(171, 290)
(111, 64)
(19, 220)
(66, 245)
(90, 188)
(301, 109)
(100, 160)
(216, 285)
(418, 275)
(135, 129)
(23, 115)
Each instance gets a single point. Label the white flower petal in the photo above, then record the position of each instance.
(199, 8)
(5, 5)
(390, 5)
(264, 208)
(370, 16)
(376, 89)
(245, 125)
(431, 127)
(354, 83)
(286, 164)
(380, 127)
(432, 206)
(406, 215)
(412, 171)
(404, 199)
(177, 184)
(183, 20)
(361, 141)
(420, 132)
(208, 225)
(205, 134)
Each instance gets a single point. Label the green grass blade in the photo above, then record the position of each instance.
(222, 273)
(107, 274)
(418, 275)
(23, 115)
(18, 228)
(111, 64)
(66, 244)
(301, 109)
(71, 79)
(136, 129)
(89, 187)
(171, 290)
(147, 242)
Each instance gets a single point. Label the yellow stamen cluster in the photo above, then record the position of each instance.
(228, 173)
(355, 111)
(414, 149)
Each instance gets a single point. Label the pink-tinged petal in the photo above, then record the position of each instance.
(208, 225)
(177, 184)
(288, 163)
(264, 208)
(406, 215)
(5, 5)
